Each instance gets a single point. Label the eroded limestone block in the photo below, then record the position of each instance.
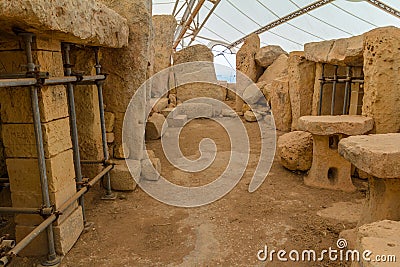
(381, 238)
(196, 110)
(124, 178)
(252, 116)
(382, 80)
(193, 53)
(252, 94)
(295, 150)
(277, 70)
(81, 22)
(177, 121)
(151, 169)
(301, 86)
(154, 126)
(109, 119)
(266, 55)
(280, 104)
(347, 51)
(164, 29)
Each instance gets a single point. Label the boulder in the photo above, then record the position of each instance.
(276, 70)
(154, 126)
(252, 94)
(124, 178)
(193, 53)
(295, 150)
(280, 104)
(382, 83)
(301, 86)
(266, 55)
(252, 116)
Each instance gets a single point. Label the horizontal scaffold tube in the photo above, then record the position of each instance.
(50, 81)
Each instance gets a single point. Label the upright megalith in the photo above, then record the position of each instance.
(247, 65)
(128, 69)
(382, 81)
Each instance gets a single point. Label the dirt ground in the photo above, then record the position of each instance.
(136, 230)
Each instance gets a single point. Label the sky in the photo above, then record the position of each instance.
(234, 19)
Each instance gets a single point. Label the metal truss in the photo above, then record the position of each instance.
(190, 24)
(385, 7)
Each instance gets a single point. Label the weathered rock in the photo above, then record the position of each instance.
(266, 89)
(121, 151)
(193, 53)
(165, 112)
(377, 155)
(266, 55)
(246, 64)
(124, 178)
(164, 29)
(87, 22)
(228, 113)
(196, 110)
(277, 70)
(252, 116)
(330, 125)
(252, 94)
(177, 121)
(301, 86)
(128, 69)
(109, 118)
(154, 126)
(280, 104)
(348, 51)
(196, 90)
(382, 239)
(172, 99)
(295, 150)
(158, 104)
(382, 81)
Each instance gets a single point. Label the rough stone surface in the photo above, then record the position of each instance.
(193, 53)
(382, 80)
(266, 55)
(378, 155)
(252, 94)
(196, 110)
(3, 167)
(252, 116)
(128, 69)
(158, 104)
(348, 51)
(277, 70)
(124, 179)
(381, 238)
(246, 64)
(177, 121)
(109, 119)
(329, 125)
(164, 29)
(280, 104)
(154, 126)
(301, 86)
(266, 89)
(165, 112)
(87, 22)
(19, 139)
(295, 150)
(329, 170)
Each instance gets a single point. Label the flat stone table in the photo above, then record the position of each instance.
(379, 156)
(329, 170)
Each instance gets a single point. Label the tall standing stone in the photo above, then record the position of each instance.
(382, 80)
(301, 86)
(247, 65)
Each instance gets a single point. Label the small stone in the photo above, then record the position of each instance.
(154, 126)
(177, 121)
(295, 150)
(251, 116)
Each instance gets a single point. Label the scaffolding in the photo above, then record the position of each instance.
(35, 80)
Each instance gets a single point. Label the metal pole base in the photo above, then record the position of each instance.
(110, 196)
(88, 226)
(54, 262)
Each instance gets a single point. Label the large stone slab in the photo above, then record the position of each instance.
(382, 80)
(330, 125)
(301, 86)
(164, 29)
(348, 51)
(378, 154)
(83, 22)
